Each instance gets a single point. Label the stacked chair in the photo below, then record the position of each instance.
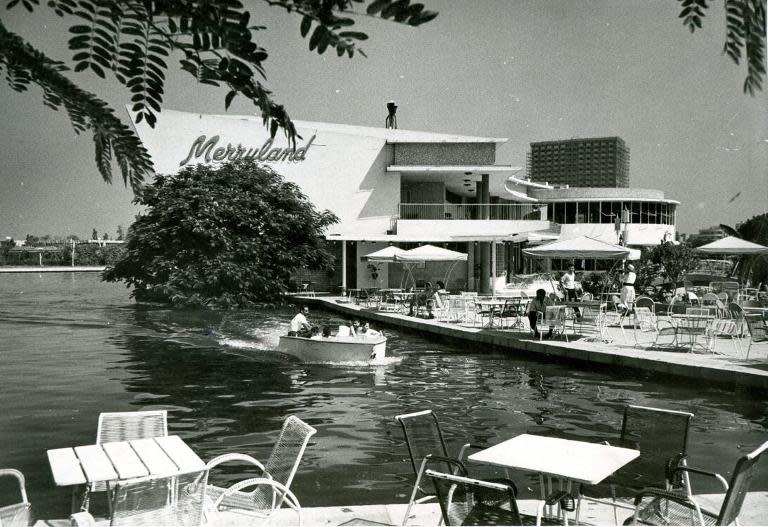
(18, 514)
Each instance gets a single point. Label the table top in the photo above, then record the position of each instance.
(157, 456)
(574, 460)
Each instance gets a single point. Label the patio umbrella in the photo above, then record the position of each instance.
(430, 253)
(733, 245)
(583, 247)
(385, 255)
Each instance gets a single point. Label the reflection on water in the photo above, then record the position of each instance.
(73, 347)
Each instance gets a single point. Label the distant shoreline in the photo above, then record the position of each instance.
(51, 269)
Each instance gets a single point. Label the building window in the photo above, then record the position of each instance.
(635, 216)
(570, 212)
(582, 212)
(594, 212)
(559, 213)
(605, 212)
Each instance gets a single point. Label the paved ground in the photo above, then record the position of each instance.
(51, 269)
(754, 512)
(727, 365)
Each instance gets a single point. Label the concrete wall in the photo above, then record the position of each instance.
(637, 234)
(576, 193)
(364, 278)
(445, 154)
(422, 192)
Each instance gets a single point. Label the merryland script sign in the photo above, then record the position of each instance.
(206, 149)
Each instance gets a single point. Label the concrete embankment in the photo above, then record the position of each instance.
(726, 367)
(52, 269)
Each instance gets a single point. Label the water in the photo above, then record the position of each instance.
(72, 347)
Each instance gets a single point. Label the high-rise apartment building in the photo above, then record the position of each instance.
(587, 162)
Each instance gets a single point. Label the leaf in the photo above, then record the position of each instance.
(306, 24)
(228, 99)
(357, 35)
(377, 6)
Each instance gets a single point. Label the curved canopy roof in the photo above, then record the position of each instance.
(583, 247)
(733, 245)
(387, 254)
(430, 253)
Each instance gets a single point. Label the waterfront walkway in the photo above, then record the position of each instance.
(753, 512)
(51, 268)
(725, 367)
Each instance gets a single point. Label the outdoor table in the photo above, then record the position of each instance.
(403, 299)
(120, 460)
(691, 323)
(567, 460)
(755, 311)
(495, 305)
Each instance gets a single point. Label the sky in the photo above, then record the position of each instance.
(528, 70)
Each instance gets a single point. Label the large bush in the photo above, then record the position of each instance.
(227, 236)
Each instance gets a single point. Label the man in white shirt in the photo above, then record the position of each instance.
(568, 281)
(299, 323)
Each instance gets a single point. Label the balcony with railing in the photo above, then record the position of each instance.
(452, 211)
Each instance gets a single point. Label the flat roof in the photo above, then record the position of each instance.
(450, 169)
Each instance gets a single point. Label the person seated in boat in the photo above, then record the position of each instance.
(428, 298)
(368, 332)
(300, 326)
(539, 305)
(326, 332)
(355, 328)
(314, 333)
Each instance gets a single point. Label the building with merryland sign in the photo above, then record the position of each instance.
(400, 187)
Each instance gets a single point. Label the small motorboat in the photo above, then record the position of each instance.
(335, 349)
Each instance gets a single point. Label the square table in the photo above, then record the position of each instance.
(565, 459)
(120, 460)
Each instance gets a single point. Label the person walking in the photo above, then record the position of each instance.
(628, 287)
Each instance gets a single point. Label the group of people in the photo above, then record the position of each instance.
(301, 327)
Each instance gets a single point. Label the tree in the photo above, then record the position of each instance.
(94, 235)
(227, 236)
(132, 40)
(105, 236)
(120, 233)
(755, 230)
(673, 261)
(744, 31)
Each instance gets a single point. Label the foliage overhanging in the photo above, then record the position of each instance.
(133, 40)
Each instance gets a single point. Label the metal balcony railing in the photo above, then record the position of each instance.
(451, 211)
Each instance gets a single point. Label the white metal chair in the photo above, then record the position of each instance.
(647, 322)
(758, 331)
(281, 467)
(236, 501)
(157, 501)
(17, 514)
(125, 426)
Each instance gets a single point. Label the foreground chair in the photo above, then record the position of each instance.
(125, 426)
(235, 501)
(280, 468)
(669, 507)
(467, 501)
(17, 514)
(758, 330)
(661, 436)
(166, 501)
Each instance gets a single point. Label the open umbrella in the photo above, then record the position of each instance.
(430, 253)
(583, 247)
(733, 245)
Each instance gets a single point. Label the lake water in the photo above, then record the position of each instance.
(72, 347)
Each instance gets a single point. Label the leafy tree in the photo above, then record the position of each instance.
(744, 31)
(227, 236)
(132, 40)
(105, 236)
(673, 261)
(755, 230)
(120, 233)
(94, 235)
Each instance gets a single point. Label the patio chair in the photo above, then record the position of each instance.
(467, 501)
(17, 514)
(670, 507)
(280, 467)
(592, 323)
(426, 446)
(647, 322)
(236, 501)
(644, 301)
(725, 327)
(661, 436)
(587, 297)
(758, 331)
(513, 309)
(125, 426)
(165, 501)
(489, 313)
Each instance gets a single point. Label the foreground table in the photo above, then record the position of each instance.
(120, 460)
(564, 459)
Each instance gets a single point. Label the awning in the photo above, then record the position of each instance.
(386, 254)
(583, 247)
(430, 253)
(733, 245)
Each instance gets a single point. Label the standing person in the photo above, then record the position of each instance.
(628, 287)
(568, 281)
(300, 326)
(538, 304)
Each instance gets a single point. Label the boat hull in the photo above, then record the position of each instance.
(334, 349)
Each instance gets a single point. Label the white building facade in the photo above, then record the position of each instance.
(401, 187)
